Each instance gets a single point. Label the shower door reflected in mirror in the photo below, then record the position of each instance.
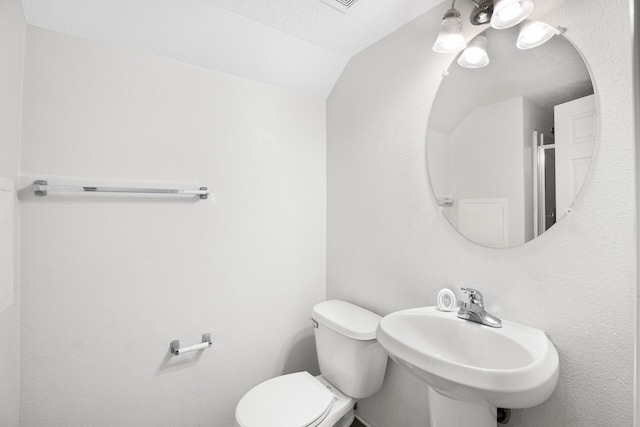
(506, 159)
(545, 183)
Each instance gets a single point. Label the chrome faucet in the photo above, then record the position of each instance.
(473, 309)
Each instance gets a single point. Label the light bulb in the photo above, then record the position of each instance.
(475, 56)
(533, 34)
(507, 13)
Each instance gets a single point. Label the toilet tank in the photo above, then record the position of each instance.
(349, 355)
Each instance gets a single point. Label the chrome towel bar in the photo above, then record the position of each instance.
(41, 188)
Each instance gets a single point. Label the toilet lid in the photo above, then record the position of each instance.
(294, 400)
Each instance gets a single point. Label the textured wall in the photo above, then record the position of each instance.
(389, 248)
(636, 86)
(12, 30)
(109, 281)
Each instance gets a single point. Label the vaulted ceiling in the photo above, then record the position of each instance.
(301, 45)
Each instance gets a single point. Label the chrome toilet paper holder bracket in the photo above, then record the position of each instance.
(206, 343)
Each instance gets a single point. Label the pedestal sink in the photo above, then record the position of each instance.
(471, 369)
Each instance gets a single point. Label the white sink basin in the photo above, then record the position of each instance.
(510, 367)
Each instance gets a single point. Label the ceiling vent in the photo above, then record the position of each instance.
(342, 5)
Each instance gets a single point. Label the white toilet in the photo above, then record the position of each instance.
(352, 366)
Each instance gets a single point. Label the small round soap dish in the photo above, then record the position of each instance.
(446, 300)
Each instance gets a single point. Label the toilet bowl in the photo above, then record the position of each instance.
(352, 366)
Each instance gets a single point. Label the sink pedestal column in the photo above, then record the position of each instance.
(447, 412)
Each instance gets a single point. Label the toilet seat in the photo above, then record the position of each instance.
(294, 400)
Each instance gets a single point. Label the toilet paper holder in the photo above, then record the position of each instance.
(206, 343)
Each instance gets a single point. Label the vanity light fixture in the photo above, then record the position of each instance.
(475, 55)
(507, 13)
(450, 38)
(500, 14)
(534, 33)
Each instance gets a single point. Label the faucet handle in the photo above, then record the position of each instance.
(475, 296)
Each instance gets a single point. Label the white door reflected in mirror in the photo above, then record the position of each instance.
(511, 143)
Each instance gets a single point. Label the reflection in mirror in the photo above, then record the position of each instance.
(509, 145)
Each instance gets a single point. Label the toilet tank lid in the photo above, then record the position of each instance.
(348, 319)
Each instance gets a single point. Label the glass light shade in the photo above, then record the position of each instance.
(507, 13)
(475, 55)
(450, 38)
(533, 34)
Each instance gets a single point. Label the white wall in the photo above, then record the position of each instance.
(109, 282)
(484, 161)
(389, 248)
(12, 30)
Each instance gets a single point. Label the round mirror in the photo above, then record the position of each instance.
(509, 143)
